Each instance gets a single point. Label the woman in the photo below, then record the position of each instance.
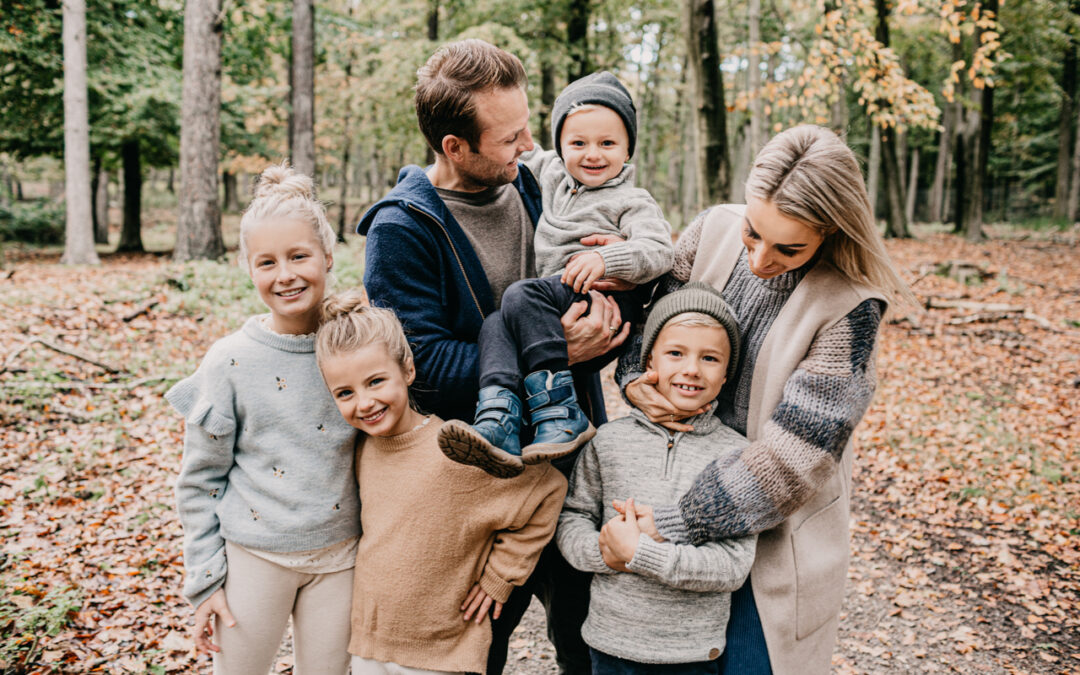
(808, 277)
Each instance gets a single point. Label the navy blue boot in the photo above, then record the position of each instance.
(561, 426)
(492, 442)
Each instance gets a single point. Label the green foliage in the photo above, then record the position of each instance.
(39, 223)
(23, 621)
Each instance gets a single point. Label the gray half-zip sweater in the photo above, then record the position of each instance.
(268, 459)
(572, 211)
(674, 607)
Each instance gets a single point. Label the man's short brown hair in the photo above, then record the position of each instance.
(445, 86)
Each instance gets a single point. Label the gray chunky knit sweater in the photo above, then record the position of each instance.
(674, 607)
(268, 459)
(823, 401)
(572, 211)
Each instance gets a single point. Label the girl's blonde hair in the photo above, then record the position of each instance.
(282, 193)
(811, 175)
(349, 323)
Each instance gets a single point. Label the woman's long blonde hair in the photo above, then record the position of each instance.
(811, 175)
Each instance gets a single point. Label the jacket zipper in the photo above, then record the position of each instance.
(456, 257)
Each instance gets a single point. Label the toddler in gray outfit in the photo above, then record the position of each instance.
(659, 603)
(595, 225)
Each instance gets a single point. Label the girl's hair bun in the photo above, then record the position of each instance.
(281, 181)
(346, 302)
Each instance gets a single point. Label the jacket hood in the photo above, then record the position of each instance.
(413, 187)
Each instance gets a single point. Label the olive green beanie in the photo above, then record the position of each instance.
(693, 297)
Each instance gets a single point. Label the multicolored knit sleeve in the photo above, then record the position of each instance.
(799, 448)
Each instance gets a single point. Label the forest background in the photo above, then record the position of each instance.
(131, 130)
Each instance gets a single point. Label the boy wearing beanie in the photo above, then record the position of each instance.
(659, 603)
(588, 194)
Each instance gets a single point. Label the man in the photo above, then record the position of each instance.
(442, 247)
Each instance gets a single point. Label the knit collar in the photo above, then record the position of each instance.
(297, 344)
(703, 424)
(419, 435)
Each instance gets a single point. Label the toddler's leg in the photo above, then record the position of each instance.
(260, 596)
(321, 624)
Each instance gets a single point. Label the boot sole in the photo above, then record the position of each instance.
(545, 452)
(460, 443)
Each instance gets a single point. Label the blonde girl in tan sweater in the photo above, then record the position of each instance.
(443, 543)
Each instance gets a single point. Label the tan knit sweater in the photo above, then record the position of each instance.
(431, 529)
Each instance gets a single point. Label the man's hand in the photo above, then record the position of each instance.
(582, 270)
(644, 519)
(644, 396)
(479, 602)
(620, 537)
(588, 337)
(203, 630)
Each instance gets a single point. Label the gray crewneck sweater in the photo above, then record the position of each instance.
(268, 459)
(674, 607)
(572, 211)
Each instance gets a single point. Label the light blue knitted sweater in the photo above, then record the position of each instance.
(268, 459)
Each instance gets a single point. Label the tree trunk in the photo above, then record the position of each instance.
(79, 225)
(131, 233)
(714, 174)
(198, 232)
(873, 167)
(962, 160)
(303, 87)
(232, 200)
(980, 152)
(757, 123)
(577, 39)
(1065, 124)
(676, 166)
(896, 224)
(99, 191)
(942, 165)
(433, 36)
(912, 186)
(547, 100)
(1074, 189)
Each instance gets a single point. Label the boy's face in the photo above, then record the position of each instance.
(594, 145)
(691, 364)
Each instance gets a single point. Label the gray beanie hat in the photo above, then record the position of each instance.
(693, 297)
(601, 88)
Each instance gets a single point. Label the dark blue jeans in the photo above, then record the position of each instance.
(746, 652)
(606, 664)
(525, 335)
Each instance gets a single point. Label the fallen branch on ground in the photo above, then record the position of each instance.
(56, 348)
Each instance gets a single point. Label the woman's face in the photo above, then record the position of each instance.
(776, 243)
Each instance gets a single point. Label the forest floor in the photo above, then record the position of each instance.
(966, 506)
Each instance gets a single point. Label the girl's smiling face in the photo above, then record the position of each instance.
(371, 390)
(289, 267)
(776, 243)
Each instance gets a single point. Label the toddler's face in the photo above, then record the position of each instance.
(288, 266)
(371, 389)
(691, 364)
(594, 145)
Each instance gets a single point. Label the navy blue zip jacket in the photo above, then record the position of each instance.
(420, 264)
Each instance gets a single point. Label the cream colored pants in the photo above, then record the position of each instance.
(262, 596)
(362, 666)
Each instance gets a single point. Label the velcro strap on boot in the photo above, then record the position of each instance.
(559, 394)
(559, 412)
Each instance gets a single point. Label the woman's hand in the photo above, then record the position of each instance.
(479, 602)
(645, 520)
(619, 538)
(588, 337)
(642, 393)
(203, 630)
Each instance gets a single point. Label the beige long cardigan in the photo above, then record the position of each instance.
(801, 564)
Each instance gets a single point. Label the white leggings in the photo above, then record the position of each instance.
(262, 596)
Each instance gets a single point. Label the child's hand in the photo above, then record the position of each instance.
(204, 629)
(620, 536)
(582, 270)
(644, 519)
(479, 602)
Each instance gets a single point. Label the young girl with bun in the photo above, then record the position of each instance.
(443, 543)
(266, 492)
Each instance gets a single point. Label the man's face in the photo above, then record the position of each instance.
(503, 118)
